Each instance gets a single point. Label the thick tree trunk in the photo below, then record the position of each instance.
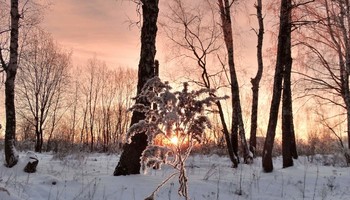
(348, 125)
(289, 150)
(256, 80)
(38, 141)
(288, 136)
(345, 84)
(11, 70)
(282, 52)
(129, 162)
(237, 119)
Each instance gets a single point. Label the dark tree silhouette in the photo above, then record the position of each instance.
(237, 119)
(11, 69)
(129, 162)
(41, 82)
(256, 80)
(282, 72)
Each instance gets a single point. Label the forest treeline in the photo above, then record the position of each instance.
(51, 105)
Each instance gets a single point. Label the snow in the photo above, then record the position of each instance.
(89, 176)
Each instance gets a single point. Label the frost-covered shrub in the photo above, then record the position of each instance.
(179, 117)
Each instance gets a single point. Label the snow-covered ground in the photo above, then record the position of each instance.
(89, 176)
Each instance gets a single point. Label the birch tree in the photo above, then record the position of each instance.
(237, 118)
(325, 47)
(10, 68)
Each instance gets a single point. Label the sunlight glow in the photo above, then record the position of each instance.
(174, 140)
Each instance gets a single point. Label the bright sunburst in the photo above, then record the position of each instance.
(174, 140)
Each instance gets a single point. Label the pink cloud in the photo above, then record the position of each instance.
(95, 28)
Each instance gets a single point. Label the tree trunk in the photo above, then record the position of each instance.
(288, 136)
(11, 70)
(237, 119)
(92, 139)
(129, 162)
(232, 154)
(282, 52)
(345, 11)
(348, 125)
(256, 81)
(38, 139)
(289, 150)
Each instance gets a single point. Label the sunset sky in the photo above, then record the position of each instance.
(98, 27)
(102, 28)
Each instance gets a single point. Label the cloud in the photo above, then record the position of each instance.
(95, 28)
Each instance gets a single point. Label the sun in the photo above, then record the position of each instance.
(174, 140)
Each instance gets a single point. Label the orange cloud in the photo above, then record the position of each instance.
(95, 28)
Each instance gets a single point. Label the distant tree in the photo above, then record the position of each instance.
(129, 162)
(108, 95)
(116, 93)
(126, 90)
(256, 80)
(91, 89)
(97, 97)
(10, 69)
(237, 118)
(282, 81)
(325, 48)
(42, 79)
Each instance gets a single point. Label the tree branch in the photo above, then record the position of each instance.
(302, 3)
(2, 61)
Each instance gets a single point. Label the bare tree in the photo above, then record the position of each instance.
(91, 90)
(189, 29)
(325, 46)
(74, 118)
(256, 80)
(124, 83)
(42, 77)
(237, 118)
(116, 94)
(108, 95)
(129, 162)
(98, 97)
(282, 80)
(10, 69)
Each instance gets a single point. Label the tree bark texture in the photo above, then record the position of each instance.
(256, 80)
(345, 69)
(39, 141)
(11, 70)
(237, 119)
(282, 72)
(129, 162)
(289, 150)
(288, 136)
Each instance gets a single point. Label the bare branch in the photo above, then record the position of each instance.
(302, 3)
(2, 61)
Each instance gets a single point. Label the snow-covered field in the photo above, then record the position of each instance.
(89, 176)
